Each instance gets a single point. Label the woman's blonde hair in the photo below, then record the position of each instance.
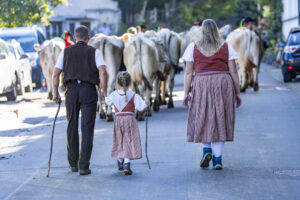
(210, 40)
(124, 81)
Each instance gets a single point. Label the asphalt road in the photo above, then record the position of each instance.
(262, 163)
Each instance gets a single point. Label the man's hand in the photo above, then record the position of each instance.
(57, 98)
(103, 95)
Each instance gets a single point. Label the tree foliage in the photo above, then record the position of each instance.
(247, 9)
(15, 13)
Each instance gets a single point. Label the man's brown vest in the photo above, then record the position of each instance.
(79, 64)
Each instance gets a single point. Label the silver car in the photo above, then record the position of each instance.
(23, 66)
(8, 73)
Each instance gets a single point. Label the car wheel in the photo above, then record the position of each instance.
(287, 77)
(20, 86)
(12, 96)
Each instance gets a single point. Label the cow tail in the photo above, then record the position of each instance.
(139, 55)
(102, 46)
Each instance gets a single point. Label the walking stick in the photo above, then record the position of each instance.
(51, 146)
(146, 143)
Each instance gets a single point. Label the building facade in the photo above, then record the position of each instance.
(290, 15)
(91, 13)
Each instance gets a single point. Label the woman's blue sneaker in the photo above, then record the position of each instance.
(217, 163)
(207, 156)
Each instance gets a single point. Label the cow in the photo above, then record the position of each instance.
(172, 42)
(49, 53)
(112, 50)
(249, 48)
(141, 59)
(159, 44)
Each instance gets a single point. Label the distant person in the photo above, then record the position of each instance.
(211, 70)
(143, 28)
(94, 31)
(104, 29)
(83, 68)
(126, 136)
(67, 36)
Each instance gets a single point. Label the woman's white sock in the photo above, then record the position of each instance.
(127, 160)
(121, 160)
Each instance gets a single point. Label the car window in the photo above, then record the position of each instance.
(12, 50)
(294, 39)
(20, 50)
(3, 48)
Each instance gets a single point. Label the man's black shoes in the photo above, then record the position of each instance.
(74, 169)
(85, 172)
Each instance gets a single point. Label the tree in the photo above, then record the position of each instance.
(247, 9)
(26, 12)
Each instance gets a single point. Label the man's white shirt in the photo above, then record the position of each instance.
(98, 59)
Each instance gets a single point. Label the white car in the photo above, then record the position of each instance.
(8, 73)
(23, 66)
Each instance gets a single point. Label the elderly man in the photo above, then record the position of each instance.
(82, 65)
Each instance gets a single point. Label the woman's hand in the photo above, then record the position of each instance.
(238, 101)
(186, 100)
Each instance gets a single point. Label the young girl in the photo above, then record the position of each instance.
(126, 140)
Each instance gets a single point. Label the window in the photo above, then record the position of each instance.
(72, 27)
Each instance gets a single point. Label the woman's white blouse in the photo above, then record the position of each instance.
(188, 55)
(117, 98)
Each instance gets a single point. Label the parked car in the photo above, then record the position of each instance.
(291, 56)
(28, 37)
(23, 66)
(8, 73)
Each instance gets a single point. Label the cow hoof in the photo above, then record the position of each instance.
(148, 114)
(140, 116)
(156, 105)
(170, 104)
(109, 118)
(256, 87)
(102, 115)
(50, 96)
(163, 103)
(243, 90)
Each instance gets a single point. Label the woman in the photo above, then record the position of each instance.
(211, 70)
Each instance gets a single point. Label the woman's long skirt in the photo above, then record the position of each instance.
(212, 111)
(126, 138)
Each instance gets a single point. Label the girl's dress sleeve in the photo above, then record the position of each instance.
(109, 100)
(139, 103)
(188, 55)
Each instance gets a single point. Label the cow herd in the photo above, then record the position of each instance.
(152, 59)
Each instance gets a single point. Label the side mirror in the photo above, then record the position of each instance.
(37, 47)
(24, 56)
(2, 56)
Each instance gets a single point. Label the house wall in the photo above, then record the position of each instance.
(290, 15)
(92, 13)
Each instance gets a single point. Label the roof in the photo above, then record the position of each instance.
(18, 31)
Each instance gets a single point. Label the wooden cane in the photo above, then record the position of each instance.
(146, 143)
(51, 145)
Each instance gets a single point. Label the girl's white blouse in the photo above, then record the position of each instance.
(188, 55)
(117, 98)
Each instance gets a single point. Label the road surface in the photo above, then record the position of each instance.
(262, 163)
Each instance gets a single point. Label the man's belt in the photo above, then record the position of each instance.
(79, 83)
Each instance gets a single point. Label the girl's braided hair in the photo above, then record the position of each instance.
(124, 80)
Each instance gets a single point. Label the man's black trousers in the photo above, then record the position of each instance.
(80, 97)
